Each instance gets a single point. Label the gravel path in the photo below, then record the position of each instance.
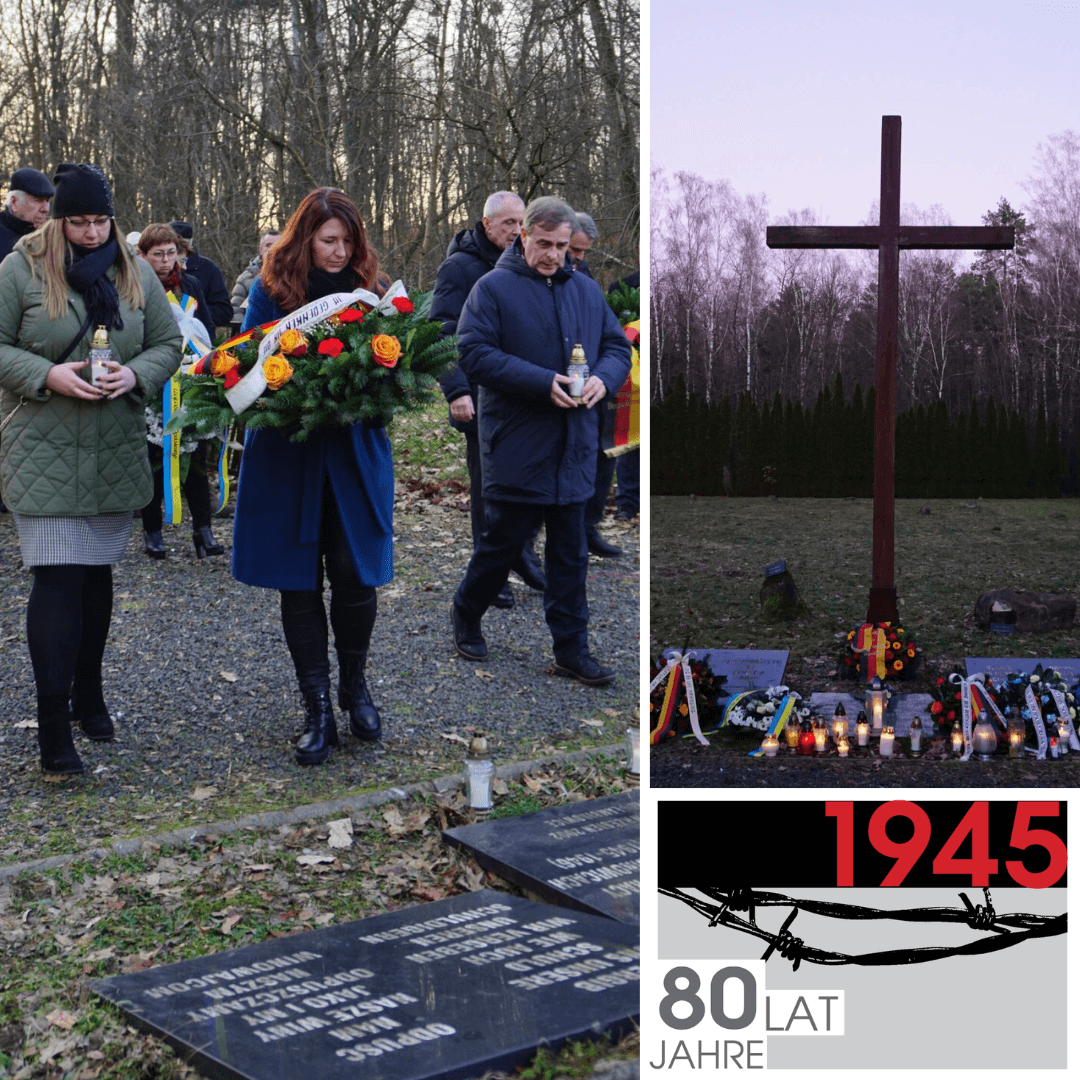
(203, 692)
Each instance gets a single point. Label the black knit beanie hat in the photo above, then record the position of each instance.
(81, 189)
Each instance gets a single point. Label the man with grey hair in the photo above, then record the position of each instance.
(471, 254)
(27, 207)
(584, 236)
(538, 444)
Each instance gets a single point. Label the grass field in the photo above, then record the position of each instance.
(708, 557)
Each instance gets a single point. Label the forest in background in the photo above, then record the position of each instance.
(729, 317)
(225, 113)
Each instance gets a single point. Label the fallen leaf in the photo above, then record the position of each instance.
(258, 868)
(591, 723)
(480, 673)
(533, 785)
(341, 833)
(499, 787)
(26, 725)
(61, 1019)
(454, 738)
(613, 713)
(228, 676)
(229, 923)
(314, 860)
(200, 793)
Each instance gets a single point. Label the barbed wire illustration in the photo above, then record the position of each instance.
(1004, 931)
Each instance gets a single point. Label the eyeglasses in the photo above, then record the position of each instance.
(86, 223)
(168, 253)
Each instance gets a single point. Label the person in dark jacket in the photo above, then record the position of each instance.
(471, 254)
(209, 275)
(27, 207)
(538, 444)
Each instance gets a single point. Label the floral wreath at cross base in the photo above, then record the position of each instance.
(879, 650)
(669, 706)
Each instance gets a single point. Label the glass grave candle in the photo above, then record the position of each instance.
(633, 747)
(1016, 737)
(956, 738)
(888, 740)
(770, 744)
(843, 746)
(1063, 735)
(479, 775)
(791, 733)
(807, 742)
(876, 699)
(984, 738)
(821, 739)
(839, 721)
(915, 737)
(862, 729)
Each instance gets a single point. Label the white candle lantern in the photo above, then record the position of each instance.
(876, 700)
(1063, 735)
(984, 739)
(839, 721)
(916, 735)
(479, 774)
(1016, 738)
(843, 746)
(821, 739)
(770, 744)
(956, 739)
(633, 747)
(888, 740)
(862, 730)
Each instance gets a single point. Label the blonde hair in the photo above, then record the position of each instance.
(47, 250)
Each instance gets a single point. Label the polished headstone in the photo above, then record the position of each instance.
(743, 669)
(583, 855)
(997, 667)
(437, 991)
(901, 710)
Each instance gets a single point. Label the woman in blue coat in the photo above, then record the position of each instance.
(325, 501)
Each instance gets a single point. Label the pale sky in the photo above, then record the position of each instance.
(785, 98)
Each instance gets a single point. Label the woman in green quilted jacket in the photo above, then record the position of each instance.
(73, 460)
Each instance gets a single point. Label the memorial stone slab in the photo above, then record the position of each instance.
(743, 669)
(584, 855)
(439, 991)
(902, 709)
(997, 667)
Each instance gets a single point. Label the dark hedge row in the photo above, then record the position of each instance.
(727, 448)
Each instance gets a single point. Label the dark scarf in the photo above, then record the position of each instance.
(86, 274)
(15, 224)
(174, 280)
(322, 283)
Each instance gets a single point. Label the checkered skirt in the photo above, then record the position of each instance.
(66, 541)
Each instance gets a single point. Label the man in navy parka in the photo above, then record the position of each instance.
(538, 446)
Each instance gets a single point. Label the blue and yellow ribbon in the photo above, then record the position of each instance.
(780, 718)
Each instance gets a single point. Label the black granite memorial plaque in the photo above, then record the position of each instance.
(744, 669)
(997, 667)
(584, 855)
(439, 991)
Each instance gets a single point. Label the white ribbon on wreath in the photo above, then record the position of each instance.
(1066, 716)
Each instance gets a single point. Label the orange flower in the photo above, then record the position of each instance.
(385, 350)
(898, 665)
(911, 651)
(683, 710)
(221, 362)
(278, 371)
(291, 341)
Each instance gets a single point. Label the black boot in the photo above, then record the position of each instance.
(89, 709)
(320, 729)
(528, 568)
(58, 753)
(355, 698)
(154, 545)
(205, 544)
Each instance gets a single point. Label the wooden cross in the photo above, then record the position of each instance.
(888, 237)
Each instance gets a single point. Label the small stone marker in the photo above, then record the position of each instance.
(745, 669)
(585, 855)
(997, 667)
(438, 991)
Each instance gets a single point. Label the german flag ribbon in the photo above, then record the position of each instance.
(870, 640)
(677, 670)
(780, 718)
(625, 433)
(974, 699)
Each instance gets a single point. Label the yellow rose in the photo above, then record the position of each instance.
(222, 362)
(291, 340)
(278, 371)
(385, 350)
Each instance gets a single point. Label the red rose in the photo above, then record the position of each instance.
(350, 315)
(403, 304)
(936, 707)
(940, 681)
(332, 346)
(951, 714)
(232, 377)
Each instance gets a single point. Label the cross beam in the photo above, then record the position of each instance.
(889, 237)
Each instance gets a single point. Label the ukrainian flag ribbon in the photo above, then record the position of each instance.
(779, 720)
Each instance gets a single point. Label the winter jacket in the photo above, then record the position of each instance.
(243, 285)
(517, 330)
(213, 287)
(468, 258)
(12, 230)
(279, 499)
(61, 456)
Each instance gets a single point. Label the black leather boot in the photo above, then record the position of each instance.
(355, 698)
(154, 545)
(89, 709)
(58, 753)
(205, 544)
(320, 729)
